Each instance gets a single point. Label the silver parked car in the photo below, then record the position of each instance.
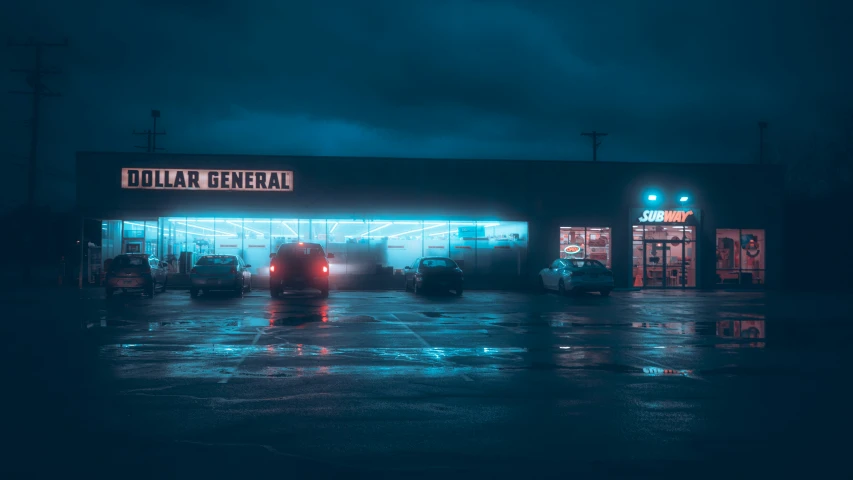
(577, 275)
(220, 272)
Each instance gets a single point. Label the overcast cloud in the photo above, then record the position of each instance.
(670, 81)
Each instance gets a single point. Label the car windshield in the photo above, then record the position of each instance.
(125, 261)
(217, 261)
(585, 262)
(438, 263)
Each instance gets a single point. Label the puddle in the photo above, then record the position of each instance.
(601, 367)
(293, 320)
(359, 319)
(738, 370)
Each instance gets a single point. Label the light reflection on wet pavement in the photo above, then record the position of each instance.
(199, 339)
(641, 369)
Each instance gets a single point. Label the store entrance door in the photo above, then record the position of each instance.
(662, 268)
(664, 265)
(654, 263)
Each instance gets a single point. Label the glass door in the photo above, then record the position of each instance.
(665, 265)
(654, 263)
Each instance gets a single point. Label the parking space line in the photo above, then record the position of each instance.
(242, 358)
(427, 345)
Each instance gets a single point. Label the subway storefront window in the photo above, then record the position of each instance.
(586, 242)
(740, 256)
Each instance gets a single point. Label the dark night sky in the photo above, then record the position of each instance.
(671, 81)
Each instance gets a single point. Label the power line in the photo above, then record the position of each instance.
(38, 90)
(595, 142)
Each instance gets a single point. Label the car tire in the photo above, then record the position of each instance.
(164, 286)
(249, 286)
(150, 290)
(238, 292)
(415, 289)
(193, 293)
(458, 292)
(561, 288)
(542, 288)
(605, 293)
(109, 292)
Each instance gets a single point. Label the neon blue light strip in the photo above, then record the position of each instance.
(245, 228)
(375, 229)
(417, 230)
(142, 225)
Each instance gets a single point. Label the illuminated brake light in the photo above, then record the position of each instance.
(325, 269)
(300, 243)
(272, 268)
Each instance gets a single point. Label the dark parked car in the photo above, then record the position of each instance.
(434, 273)
(135, 271)
(220, 272)
(299, 266)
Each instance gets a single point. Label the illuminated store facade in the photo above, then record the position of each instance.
(360, 247)
(502, 221)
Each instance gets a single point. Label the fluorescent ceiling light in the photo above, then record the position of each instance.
(418, 230)
(289, 227)
(245, 228)
(212, 230)
(375, 229)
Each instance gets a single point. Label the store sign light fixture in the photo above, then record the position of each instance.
(665, 216)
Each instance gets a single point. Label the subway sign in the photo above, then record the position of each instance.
(226, 180)
(683, 217)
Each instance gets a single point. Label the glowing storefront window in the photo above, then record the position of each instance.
(360, 246)
(586, 242)
(664, 256)
(740, 256)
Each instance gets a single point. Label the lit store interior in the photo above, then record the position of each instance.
(664, 255)
(359, 246)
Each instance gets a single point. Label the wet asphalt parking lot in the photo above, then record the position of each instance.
(388, 384)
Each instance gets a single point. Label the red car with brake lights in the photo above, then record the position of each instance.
(299, 266)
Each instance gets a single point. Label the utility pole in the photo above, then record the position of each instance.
(147, 134)
(761, 127)
(595, 142)
(39, 90)
(151, 135)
